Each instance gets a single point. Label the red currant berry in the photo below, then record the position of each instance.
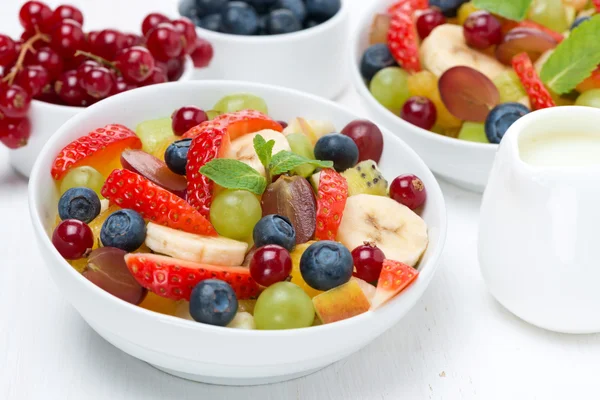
(67, 38)
(69, 90)
(270, 264)
(14, 132)
(175, 68)
(482, 30)
(133, 40)
(186, 118)
(73, 239)
(419, 111)
(91, 36)
(164, 42)
(159, 75)
(66, 11)
(135, 63)
(151, 21)
(14, 102)
(35, 14)
(408, 190)
(121, 85)
(97, 82)
(368, 260)
(47, 58)
(34, 79)
(187, 29)
(429, 20)
(85, 67)
(8, 51)
(108, 43)
(202, 54)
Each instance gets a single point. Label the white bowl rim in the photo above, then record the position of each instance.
(425, 274)
(362, 89)
(209, 35)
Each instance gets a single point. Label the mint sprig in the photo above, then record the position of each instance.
(510, 9)
(285, 161)
(264, 150)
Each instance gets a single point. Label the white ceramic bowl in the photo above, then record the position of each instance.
(203, 352)
(312, 60)
(466, 164)
(45, 119)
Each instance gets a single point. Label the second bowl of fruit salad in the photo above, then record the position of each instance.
(235, 248)
(450, 78)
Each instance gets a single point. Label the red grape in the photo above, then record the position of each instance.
(429, 20)
(68, 89)
(202, 54)
(108, 43)
(135, 63)
(368, 261)
(47, 58)
(467, 93)
(419, 111)
(159, 75)
(283, 124)
(8, 51)
(66, 11)
(154, 170)
(518, 40)
(186, 118)
(97, 82)
(482, 30)
(14, 102)
(34, 79)
(187, 29)
(408, 190)
(14, 133)
(67, 38)
(175, 68)
(270, 264)
(368, 139)
(151, 21)
(131, 39)
(73, 239)
(106, 268)
(35, 13)
(164, 42)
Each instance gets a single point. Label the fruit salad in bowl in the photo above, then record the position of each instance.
(194, 211)
(451, 76)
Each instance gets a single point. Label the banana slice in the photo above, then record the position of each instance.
(197, 248)
(445, 47)
(395, 229)
(312, 128)
(242, 148)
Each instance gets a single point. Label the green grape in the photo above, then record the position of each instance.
(83, 177)
(283, 305)
(301, 145)
(473, 132)
(234, 213)
(241, 101)
(509, 86)
(591, 98)
(549, 13)
(154, 134)
(390, 88)
(212, 114)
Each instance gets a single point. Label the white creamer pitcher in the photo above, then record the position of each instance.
(539, 234)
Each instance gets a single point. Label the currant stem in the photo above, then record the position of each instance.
(27, 46)
(96, 58)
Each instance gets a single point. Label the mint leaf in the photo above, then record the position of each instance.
(264, 150)
(511, 9)
(234, 174)
(285, 161)
(574, 58)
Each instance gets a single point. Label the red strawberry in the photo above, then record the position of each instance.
(100, 149)
(174, 279)
(403, 43)
(530, 24)
(408, 6)
(211, 140)
(395, 277)
(596, 4)
(536, 91)
(331, 201)
(130, 190)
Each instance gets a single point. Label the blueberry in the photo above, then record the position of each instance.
(322, 10)
(337, 148)
(579, 21)
(79, 203)
(176, 155)
(326, 264)
(448, 7)
(124, 229)
(262, 6)
(213, 302)
(501, 118)
(262, 25)
(240, 19)
(207, 7)
(295, 6)
(212, 22)
(274, 229)
(187, 8)
(311, 23)
(374, 59)
(282, 21)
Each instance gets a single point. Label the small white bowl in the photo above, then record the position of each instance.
(46, 118)
(466, 164)
(312, 60)
(203, 352)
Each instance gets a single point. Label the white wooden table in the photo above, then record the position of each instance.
(457, 343)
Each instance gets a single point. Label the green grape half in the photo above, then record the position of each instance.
(591, 98)
(83, 177)
(549, 13)
(212, 114)
(509, 86)
(473, 132)
(283, 305)
(154, 134)
(390, 88)
(301, 145)
(234, 213)
(241, 101)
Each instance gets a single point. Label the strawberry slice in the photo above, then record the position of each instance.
(394, 278)
(533, 25)
(331, 201)
(536, 91)
(403, 42)
(211, 140)
(408, 6)
(100, 149)
(130, 190)
(174, 279)
(596, 4)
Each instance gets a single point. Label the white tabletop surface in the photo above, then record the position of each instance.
(457, 343)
